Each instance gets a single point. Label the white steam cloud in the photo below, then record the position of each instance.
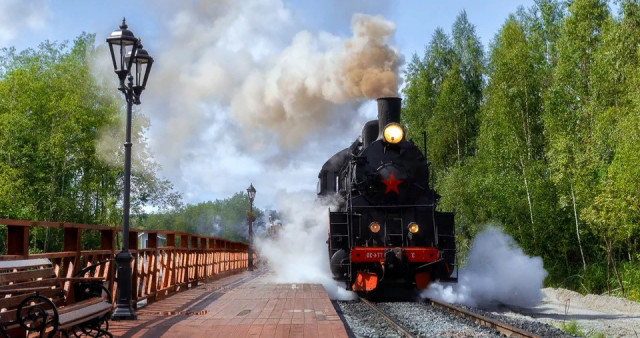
(299, 253)
(245, 59)
(497, 272)
(255, 92)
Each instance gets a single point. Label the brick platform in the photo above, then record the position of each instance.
(243, 305)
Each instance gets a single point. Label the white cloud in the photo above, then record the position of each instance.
(242, 92)
(17, 16)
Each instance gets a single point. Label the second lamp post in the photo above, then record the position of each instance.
(251, 191)
(127, 52)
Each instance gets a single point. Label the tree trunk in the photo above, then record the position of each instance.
(458, 145)
(575, 215)
(608, 276)
(46, 239)
(526, 185)
(613, 262)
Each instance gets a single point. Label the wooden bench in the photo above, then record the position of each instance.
(32, 299)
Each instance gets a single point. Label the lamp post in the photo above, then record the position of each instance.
(251, 191)
(127, 52)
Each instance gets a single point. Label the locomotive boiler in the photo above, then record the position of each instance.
(386, 231)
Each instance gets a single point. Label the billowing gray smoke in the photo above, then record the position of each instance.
(249, 87)
(299, 253)
(240, 58)
(497, 272)
(295, 94)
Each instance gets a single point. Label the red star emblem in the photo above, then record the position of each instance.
(392, 184)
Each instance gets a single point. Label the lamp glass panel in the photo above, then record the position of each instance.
(127, 51)
(140, 71)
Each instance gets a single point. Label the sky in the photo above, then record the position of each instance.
(255, 91)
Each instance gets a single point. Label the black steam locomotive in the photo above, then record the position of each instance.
(386, 230)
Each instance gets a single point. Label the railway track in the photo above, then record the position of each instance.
(480, 320)
(392, 322)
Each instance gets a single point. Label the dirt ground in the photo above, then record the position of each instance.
(613, 316)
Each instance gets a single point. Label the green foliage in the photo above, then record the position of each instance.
(226, 218)
(444, 95)
(630, 276)
(53, 113)
(551, 151)
(572, 328)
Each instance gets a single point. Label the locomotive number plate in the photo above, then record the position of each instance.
(376, 254)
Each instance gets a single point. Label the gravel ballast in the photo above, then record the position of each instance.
(531, 326)
(419, 319)
(424, 320)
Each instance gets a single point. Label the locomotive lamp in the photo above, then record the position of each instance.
(251, 192)
(374, 227)
(126, 51)
(413, 227)
(393, 133)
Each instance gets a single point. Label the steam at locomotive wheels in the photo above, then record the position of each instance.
(386, 231)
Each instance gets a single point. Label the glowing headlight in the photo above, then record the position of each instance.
(393, 133)
(413, 227)
(374, 227)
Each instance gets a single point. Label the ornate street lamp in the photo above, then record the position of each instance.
(127, 52)
(251, 192)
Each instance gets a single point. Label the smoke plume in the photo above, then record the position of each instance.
(497, 272)
(251, 88)
(299, 252)
(241, 59)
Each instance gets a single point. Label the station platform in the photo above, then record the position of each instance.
(241, 305)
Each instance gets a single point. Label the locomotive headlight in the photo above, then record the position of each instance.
(393, 133)
(413, 227)
(374, 227)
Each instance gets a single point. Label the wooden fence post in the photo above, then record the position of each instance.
(215, 256)
(193, 254)
(152, 261)
(106, 243)
(133, 248)
(204, 258)
(172, 259)
(18, 240)
(72, 243)
(184, 247)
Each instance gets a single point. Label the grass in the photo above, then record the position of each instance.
(594, 280)
(573, 328)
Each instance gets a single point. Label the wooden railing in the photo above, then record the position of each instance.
(158, 271)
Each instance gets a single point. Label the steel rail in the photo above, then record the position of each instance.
(403, 332)
(503, 328)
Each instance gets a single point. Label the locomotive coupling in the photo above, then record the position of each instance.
(394, 258)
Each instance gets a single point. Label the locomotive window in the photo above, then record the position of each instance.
(319, 187)
(337, 181)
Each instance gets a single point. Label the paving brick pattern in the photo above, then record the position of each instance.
(238, 306)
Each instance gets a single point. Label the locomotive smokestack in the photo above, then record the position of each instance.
(388, 111)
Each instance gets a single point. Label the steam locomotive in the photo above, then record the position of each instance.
(386, 232)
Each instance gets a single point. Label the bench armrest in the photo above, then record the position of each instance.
(92, 268)
(90, 289)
